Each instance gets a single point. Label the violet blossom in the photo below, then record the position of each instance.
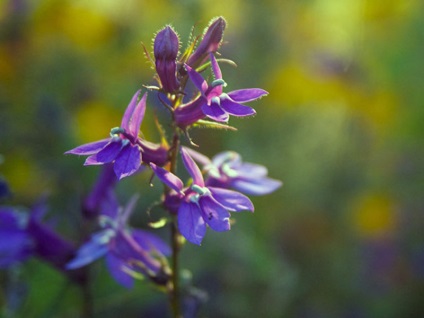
(124, 148)
(201, 205)
(227, 170)
(126, 250)
(218, 105)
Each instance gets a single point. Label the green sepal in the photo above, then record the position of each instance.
(212, 124)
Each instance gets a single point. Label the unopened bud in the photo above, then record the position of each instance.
(166, 50)
(210, 42)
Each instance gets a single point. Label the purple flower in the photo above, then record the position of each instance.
(227, 170)
(201, 204)
(126, 250)
(124, 148)
(210, 43)
(23, 235)
(219, 105)
(16, 244)
(165, 49)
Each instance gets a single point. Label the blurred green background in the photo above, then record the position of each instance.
(342, 127)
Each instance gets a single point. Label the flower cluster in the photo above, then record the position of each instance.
(205, 200)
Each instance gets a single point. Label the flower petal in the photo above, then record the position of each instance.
(116, 268)
(197, 79)
(90, 251)
(217, 216)
(92, 161)
(255, 186)
(191, 223)
(137, 117)
(90, 148)
(197, 156)
(129, 112)
(170, 179)
(252, 170)
(215, 67)
(192, 168)
(247, 94)
(215, 112)
(109, 153)
(236, 109)
(127, 162)
(232, 200)
(151, 242)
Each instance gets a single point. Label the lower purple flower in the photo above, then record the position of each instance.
(126, 250)
(202, 205)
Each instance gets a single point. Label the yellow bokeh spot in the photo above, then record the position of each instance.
(94, 121)
(374, 216)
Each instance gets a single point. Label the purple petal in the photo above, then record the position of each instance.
(151, 242)
(256, 186)
(217, 217)
(215, 112)
(90, 148)
(90, 251)
(192, 168)
(137, 117)
(197, 79)
(236, 109)
(128, 161)
(190, 222)
(109, 153)
(170, 179)
(252, 170)
(247, 95)
(197, 156)
(92, 161)
(215, 67)
(232, 200)
(126, 119)
(116, 268)
(229, 157)
(15, 246)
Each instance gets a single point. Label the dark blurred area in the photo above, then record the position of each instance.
(342, 127)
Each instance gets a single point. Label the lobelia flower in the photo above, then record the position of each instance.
(227, 170)
(201, 205)
(165, 49)
(210, 43)
(23, 235)
(218, 105)
(16, 244)
(124, 148)
(126, 250)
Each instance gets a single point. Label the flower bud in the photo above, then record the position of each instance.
(210, 42)
(165, 49)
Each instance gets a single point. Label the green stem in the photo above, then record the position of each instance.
(175, 237)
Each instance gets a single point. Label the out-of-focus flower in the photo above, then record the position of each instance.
(210, 43)
(201, 204)
(124, 148)
(126, 250)
(23, 235)
(165, 49)
(16, 245)
(227, 170)
(219, 105)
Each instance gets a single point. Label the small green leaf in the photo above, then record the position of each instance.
(214, 125)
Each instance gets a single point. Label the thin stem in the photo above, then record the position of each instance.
(175, 289)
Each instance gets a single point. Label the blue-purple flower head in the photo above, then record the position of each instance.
(127, 251)
(124, 148)
(201, 205)
(227, 170)
(214, 103)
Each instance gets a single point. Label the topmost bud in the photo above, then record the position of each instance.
(165, 49)
(210, 43)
